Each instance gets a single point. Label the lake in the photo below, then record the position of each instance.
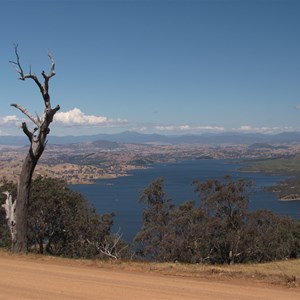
(121, 195)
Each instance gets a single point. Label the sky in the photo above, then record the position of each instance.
(160, 66)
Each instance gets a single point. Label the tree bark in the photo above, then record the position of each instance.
(19, 244)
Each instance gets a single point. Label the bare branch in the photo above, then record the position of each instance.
(57, 108)
(24, 76)
(44, 89)
(52, 69)
(46, 80)
(17, 63)
(26, 113)
(110, 247)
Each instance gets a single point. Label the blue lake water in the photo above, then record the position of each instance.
(121, 195)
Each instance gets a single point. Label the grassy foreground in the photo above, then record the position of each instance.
(281, 272)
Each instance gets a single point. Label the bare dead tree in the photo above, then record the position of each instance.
(10, 207)
(111, 247)
(38, 141)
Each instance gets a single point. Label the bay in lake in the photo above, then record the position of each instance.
(121, 195)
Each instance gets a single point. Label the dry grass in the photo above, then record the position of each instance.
(281, 272)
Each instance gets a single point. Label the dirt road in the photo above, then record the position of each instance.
(23, 278)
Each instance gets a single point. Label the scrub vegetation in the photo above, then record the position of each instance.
(216, 229)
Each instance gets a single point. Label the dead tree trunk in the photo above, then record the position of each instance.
(38, 141)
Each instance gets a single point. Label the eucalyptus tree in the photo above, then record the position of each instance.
(226, 202)
(62, 222)
(151, 240)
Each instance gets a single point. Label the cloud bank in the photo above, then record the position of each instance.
(76, 117)
(188, 128)
(8, 120)
(266, 130)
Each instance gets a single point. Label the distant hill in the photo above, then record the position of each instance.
(139, 138)
(258, 146)
(14, 140)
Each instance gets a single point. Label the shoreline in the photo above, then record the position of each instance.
(289, 198)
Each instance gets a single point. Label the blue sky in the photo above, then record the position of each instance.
(170, 67)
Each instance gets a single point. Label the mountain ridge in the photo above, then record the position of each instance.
(141, 138)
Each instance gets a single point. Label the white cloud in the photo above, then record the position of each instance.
(8, 120)
(189, 129)
(184, 127)
(76, 117)
(245, 128)
(250, 129)
(218, 129)
(165, 128)
(298, 106)
(210, 128)
(141, 129)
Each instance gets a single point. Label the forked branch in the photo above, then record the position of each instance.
(44, 88)
(42, 123)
